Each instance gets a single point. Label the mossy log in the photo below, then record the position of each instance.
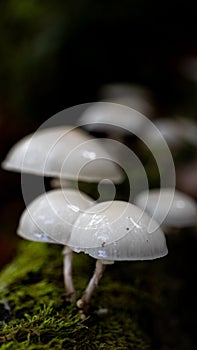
(131, 309)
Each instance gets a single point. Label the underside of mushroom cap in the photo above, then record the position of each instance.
(50, 217)
(65, 152)
(117, 231)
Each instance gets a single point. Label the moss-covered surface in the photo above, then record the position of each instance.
(141, 298)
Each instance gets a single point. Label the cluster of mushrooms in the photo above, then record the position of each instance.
(107, 231)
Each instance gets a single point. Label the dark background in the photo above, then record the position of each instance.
(56, 54)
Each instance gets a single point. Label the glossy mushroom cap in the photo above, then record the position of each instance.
(181, 210)
(117, 230)
(49, 218)
(64, 152)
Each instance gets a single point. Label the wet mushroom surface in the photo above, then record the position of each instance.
(49, 219)
(115, 231)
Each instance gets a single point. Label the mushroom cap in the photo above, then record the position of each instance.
(117, 230)
(181, 210)
(135, 96)
(49, 218)
(111, 117)
(64, 152)
(170, 129)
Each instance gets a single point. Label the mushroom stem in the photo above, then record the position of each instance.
(67, 270)
(83, 303)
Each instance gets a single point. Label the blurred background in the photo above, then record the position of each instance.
(57, 54)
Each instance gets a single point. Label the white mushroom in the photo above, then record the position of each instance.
(114, 119)
(180, 209)
(111, 231)
(64, 152)
(49, 218)
(171, 130)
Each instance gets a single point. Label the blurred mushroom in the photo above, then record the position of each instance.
(170, 129)
(49, 218)
(131, 95)
(109, 120)
(181, 209)
(63, 152)
(115, 231)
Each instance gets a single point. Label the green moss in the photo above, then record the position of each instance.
(35, 314)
